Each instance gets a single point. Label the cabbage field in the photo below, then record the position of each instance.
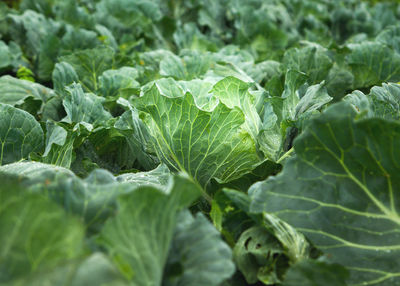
(199, 143)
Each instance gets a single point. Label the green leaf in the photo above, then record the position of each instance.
(93, 199)
(341, 192)
(259, 255)
(295, 245)
(59, 145)
(138, 238)
(373, 63)
(187, 67)
(297, 103)
(89, 65)
(315, 97)
(5, 56)
(118, 82)
(84, 107)
(381, 102)
(315, 273)
(234, 93)
(63, 75)
(76, 39)
(339, 81)
(26, 33)
(158, 178)
(35, 172)
(20, 134)
(199, 252)
(172, 66)
(36, 234)
(137, 137)
(15, 91)
(310, 60)
(48, 56)
(205, 144)
(391, 37)
(97, 269)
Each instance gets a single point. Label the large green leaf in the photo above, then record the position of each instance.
(40, 44)
(15, 91)
(391, 37)
(89, 65)
(341, 191)
(20, 134)
(95, 270)
(93, 199)
(315, 273)
(206, 144)
(36, 234)
(311, 60)
(5, 56)
(59, 145)
(199, 252)
(30, 173)
(76, 39)
(159, 177)
(138, 238)
(118, 82)
(84, 107)
(187, 67)
(63, 75)
(373, 63)
(381, 102)
(137, 137)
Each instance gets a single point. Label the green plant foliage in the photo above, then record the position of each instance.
(199, 142)
(344, 199)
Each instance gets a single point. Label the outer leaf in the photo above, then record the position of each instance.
(139, 236)
(84, 107)
(391, 37)
(63, 75)
(198, 250)
(36, 234)
(373, 63)
(158, 178)
(93, 198)
(115, 82)
(5, 56)
(15, 91)
(138, 138)
(315, 273)
(33, 172)
(205, 144)
(381, 102)
(342, 192)
(20, 134)
(95, 270)
(90, 64)
(59, 145)
(172, 65)
(311, 60)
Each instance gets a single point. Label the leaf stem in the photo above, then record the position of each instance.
(284, 156)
